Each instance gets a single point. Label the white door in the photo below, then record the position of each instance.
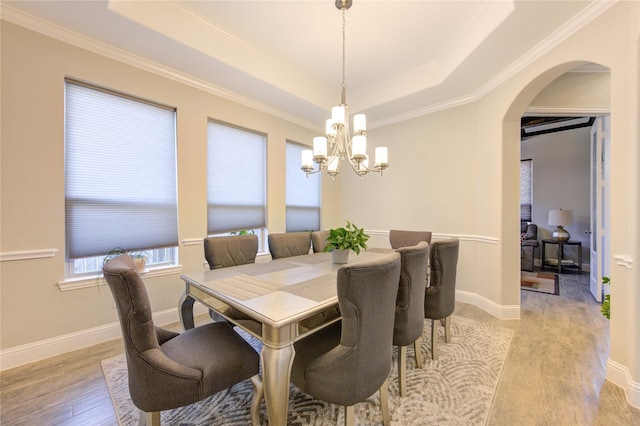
(599, 201)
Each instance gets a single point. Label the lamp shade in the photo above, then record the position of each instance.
(561, 217)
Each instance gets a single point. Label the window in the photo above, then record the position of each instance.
(120, 177)
(526, 190)
(303, 194)
(236, 180)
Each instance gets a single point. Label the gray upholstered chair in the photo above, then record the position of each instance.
(169, 370)
(287, 244)
(319, 240)
(232, 250)
(440, 296)
(409, 320)
(227, 251)
(398, 238)
(223, 252)
(347, 362)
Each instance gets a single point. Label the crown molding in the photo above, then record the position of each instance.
(65, 35)
(588, 14)
(592, 11)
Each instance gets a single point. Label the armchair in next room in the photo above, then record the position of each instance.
(528, 243)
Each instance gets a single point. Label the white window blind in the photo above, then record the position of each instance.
(120, 172)
(236, 179)
(303, 194)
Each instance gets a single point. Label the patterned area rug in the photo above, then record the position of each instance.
(540, 282)
(457, 389)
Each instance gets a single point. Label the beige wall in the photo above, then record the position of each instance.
(457, 172)
(33, 70)
(453, 172)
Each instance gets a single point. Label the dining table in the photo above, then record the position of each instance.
(280, 295)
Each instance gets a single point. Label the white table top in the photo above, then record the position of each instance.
(277, 292)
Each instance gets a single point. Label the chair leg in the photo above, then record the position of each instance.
(402, 370)
(447, 329)
(417, 348)
(149, 419)
(258, 395)
(384, 403)
(434, 339)
(349, 416)
(185, 310)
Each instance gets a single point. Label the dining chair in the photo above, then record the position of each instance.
(288, 244)
(347, 362)
(440, 296)
(223, 252)
(165, 369)
(230, 250)
(398, 238)
(409, 316)
(319, 240)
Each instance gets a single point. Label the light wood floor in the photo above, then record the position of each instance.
(554, 374)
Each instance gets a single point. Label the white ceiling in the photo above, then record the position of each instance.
(403, 58)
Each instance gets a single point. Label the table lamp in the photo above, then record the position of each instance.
(560, 218)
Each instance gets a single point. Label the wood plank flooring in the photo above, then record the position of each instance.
(554, 374)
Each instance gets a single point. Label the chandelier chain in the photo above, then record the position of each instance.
(344, 60)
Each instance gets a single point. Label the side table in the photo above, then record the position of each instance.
(560, 262)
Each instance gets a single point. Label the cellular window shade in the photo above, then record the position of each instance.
(302, 193)
(236, 179)
(120, 173)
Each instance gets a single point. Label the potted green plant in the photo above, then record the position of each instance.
(342, 240)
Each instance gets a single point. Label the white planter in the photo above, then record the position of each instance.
(140, 263)
(340, 256)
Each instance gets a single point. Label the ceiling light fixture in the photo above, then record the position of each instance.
(341, 143)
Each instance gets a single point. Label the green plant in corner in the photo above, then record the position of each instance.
(243, 232)
(606, 303)
(348, 238)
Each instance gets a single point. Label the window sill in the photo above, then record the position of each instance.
(97, 281)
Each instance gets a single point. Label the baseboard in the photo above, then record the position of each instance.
(36, 351)
(24, 354)
(504, 312)
(620, 376)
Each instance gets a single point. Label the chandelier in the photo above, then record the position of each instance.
(339, 143)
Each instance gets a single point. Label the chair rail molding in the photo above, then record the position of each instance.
(624, 260)
(192, 241)
(7, 256)
(438, 236)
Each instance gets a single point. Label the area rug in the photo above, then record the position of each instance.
(457, 389)
(540, 282)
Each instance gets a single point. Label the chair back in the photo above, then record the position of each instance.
(398, 238)
(287, 244)
(232, 250)
(319, 240)
(440, 296)
(360, 364)
(409, 319)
